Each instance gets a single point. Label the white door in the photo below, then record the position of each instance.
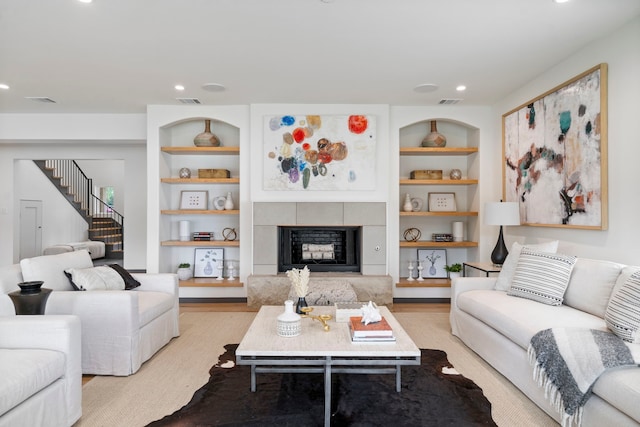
(30, 228)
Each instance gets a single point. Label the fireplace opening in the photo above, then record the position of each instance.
(321, 248)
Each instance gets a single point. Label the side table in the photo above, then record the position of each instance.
(30, 303)
(485, 267)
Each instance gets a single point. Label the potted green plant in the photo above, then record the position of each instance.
(454, 270)
(184, 271)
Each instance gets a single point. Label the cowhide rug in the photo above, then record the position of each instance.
(433, 394)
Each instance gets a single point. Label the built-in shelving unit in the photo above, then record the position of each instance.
(460, 153)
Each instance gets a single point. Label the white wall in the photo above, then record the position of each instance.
(85, 136)
(620, 242)
(106, 173)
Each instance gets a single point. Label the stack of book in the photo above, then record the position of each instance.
(373, 332)
(202, 235)
(442, 237)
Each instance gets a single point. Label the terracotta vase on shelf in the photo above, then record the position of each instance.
(434, 138)
(206, 138)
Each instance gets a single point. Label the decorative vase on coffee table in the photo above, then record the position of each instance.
(302, 302)
(288, 323)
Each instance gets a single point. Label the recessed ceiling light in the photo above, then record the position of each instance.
(213, 87)
(425, 88)
(461, 88)
(4, 86)
(560, 1)
(178, 87)
(85, 1)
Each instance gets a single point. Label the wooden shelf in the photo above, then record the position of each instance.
(210, 283)
(200, 180)
(421, 213)
(199, 212)
(426, 283)
(203, 243)
(201, 150)
(431, 244)
(406, 181)
(437, 151)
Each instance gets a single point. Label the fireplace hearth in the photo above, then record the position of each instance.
(321, 248)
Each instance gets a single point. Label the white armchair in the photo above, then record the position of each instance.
(40, 367)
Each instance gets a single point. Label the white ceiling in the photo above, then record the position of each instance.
(117, 56)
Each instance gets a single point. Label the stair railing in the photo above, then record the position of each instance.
(74, 179)
(102, 210)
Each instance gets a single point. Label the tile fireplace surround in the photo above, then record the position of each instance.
(266, 286)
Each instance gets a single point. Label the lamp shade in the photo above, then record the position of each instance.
(502, 213)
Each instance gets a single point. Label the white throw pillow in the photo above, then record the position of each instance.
(623, 311)
(50, 268)
(542, 276)
(102, 278)
(503, 283)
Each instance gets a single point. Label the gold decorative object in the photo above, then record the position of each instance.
(322, 318)
(426, 174)
(412, 234)
(214, 173)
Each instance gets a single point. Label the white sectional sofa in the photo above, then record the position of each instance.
(499, 328)
(40, 371)
(121, 329)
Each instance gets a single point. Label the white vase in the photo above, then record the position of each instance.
(408, 206)
(228, 204)
(288, 323)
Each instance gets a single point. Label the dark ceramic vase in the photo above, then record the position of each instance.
(302, 302)
(32, 287)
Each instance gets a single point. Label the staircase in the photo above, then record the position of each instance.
(104, 223)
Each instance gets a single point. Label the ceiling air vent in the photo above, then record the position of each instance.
(42, 99)
(191, 101)
(449, 101)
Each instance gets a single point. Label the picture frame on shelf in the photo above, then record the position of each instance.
(194, 199)
(206, 262)
(442, 202)
(434, 262)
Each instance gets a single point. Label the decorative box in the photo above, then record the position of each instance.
(426, 174)
(214, 173)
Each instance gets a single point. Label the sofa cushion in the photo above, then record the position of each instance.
(508, 269)
(50, 268)
(623, 312)
(153, 304)
(101, 278)
(591, 284)
(519, 319)
(542, 276)
(621, 389)
(25, 372)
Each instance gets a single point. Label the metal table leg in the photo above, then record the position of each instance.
(327, 392)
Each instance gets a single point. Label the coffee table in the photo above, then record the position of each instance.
(317, 351)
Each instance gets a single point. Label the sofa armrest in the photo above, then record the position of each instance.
(59, 333)
(158, 282)
(463, 284)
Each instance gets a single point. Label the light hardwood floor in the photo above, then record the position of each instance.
(397, 307)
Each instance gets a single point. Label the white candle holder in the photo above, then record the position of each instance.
(230, 271)
(410, 278)
(420, 268)
(220, 270)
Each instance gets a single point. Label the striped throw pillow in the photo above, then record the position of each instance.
(542, 276)
(623, 312)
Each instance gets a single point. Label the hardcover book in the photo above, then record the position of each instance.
(377, 329)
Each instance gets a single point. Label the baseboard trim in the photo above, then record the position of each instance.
(212, 300)
(422, 300)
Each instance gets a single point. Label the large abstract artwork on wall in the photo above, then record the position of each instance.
(319, 152)
(555, 154)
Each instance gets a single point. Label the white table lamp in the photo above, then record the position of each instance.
(501, 213)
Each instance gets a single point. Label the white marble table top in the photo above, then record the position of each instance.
(262, 339)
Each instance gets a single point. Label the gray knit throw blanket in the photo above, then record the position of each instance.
(568, 361)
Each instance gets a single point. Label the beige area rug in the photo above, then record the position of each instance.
(167, 382)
